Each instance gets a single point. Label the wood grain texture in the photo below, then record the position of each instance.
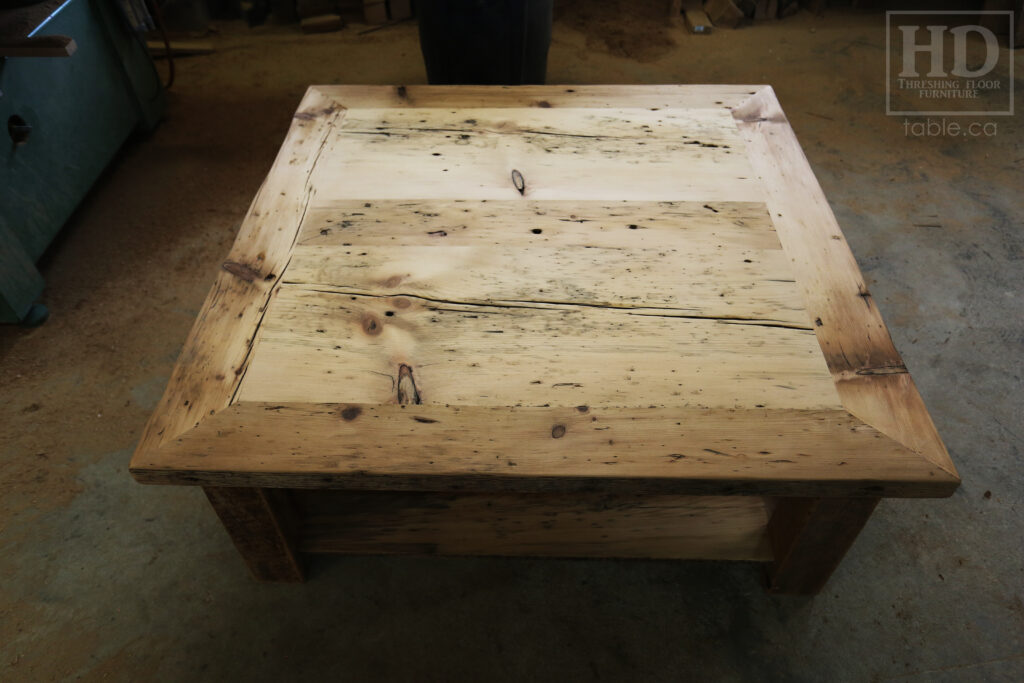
(217, 349)
(697, 20)
(870, 376)
(751, 286)
(263, 528)
(543, 289)
(703, 226)
(810, 537)
(471, 153)
(546, 525)
(690, 305)
(451, 448)
(723, 97)
(344, 346)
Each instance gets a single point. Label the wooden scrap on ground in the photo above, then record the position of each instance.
(697, 20)
(724, 13)
(38, 46)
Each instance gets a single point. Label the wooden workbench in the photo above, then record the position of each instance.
(612, 321)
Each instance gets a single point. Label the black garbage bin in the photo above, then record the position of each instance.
(485, 42)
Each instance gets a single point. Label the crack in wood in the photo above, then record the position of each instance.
(243, 367)
(730, 320)
(406, 132)
(569, 305)
(884, 370)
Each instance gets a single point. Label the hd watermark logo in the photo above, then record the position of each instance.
(938, 65)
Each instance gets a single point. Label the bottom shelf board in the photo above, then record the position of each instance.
(538, 524)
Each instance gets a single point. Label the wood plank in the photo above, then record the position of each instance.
(810, 537)
(315, 327)
(435, 153)
(723, 97)
(216, 352)
(262, 529)
(444, 448)
(546, 525)
(753, 286)
(703, 226)
(870, 376)
(570, 128)
(697, 20)
(317, 346)
(38, 46)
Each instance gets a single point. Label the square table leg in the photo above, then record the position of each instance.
(261, 524)
(809, 538)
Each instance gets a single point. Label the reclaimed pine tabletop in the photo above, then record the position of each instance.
(596, 321)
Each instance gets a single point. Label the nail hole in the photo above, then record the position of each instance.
(389, 313)
(536, 231)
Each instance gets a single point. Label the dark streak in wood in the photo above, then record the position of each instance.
(240, 270)
(518, 181)
(371, 325)
(407, 392)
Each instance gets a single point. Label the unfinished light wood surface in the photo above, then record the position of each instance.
(662, 259)
(621, 290)
(542, 525)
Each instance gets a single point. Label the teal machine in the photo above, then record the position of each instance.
(75, 81)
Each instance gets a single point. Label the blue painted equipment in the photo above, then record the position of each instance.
(64, 118)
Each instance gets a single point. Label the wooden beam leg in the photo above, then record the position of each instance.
(261, 524)
(809, 538)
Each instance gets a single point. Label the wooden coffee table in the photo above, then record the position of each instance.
(600, 321)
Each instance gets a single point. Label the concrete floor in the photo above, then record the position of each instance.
(104, 579)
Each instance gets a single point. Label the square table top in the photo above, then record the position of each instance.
(615, 288)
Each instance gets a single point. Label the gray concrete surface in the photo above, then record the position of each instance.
(104, 579)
